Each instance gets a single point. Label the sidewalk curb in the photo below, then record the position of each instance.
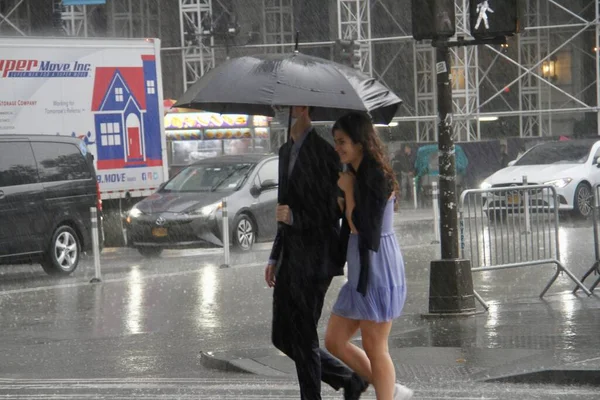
(243, 365)
(249, 361)
(209, 360)
(530, 369)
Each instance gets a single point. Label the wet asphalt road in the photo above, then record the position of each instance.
(139, 333)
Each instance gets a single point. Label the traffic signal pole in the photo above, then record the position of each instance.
(450, 279)
(447, 159)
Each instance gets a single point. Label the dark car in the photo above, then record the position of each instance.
(47, 187)
(186, 210)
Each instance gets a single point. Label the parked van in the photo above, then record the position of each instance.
(47, 186)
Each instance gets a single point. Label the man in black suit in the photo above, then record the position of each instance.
(306, 257)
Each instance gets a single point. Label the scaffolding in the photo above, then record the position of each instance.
(425, 91)
(198, 53)
(354, 23)
(75, 21)
(135, 18)
(489, 82)
(278, 24)
(465, 79)
(126, 18)
(15, 17)
(534, 95)
(537, 106)
(540, 101)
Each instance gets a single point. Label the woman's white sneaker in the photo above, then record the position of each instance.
(402, 392)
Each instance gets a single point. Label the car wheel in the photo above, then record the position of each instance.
(150, 252)
(244, 234)
(62, 256)
(584, 201)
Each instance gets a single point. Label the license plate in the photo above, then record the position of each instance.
(513, 199)
(159, 232)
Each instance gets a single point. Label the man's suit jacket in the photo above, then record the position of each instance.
(310, 248)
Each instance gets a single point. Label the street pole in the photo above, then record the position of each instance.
(447, 159)
(450, 280)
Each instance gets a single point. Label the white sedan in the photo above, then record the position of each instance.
(572, 167)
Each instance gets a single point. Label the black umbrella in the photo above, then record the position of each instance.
(254, 84)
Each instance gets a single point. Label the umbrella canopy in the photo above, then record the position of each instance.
(254, 84)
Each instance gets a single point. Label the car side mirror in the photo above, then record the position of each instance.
(162, 186)
(597, 162)
(511, 163)
(268, 184)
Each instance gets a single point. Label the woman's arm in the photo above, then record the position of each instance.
(350, 206)
(346, 183)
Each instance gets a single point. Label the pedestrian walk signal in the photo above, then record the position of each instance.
(433, 19)
(494, 18)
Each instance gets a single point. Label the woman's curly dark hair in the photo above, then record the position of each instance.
(360, 129)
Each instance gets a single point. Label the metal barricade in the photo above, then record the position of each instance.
(512, 227)
(596, 222)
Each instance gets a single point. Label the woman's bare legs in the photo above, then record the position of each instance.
(337, 341)
(374, 364)
(375, 342)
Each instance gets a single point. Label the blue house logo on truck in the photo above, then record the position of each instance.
(127, 116)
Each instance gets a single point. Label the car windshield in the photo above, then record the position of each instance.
(209, 178)
(556, 153)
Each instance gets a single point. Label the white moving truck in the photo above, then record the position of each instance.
(106, 92)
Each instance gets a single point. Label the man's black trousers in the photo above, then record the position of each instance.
(297, 306)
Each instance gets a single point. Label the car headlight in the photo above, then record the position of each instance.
(559, 183)
(135, 212)
(486, 185)
(206, 210)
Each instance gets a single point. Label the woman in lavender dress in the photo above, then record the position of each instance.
(376, 290)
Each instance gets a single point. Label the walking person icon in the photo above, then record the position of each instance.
(483, 8)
